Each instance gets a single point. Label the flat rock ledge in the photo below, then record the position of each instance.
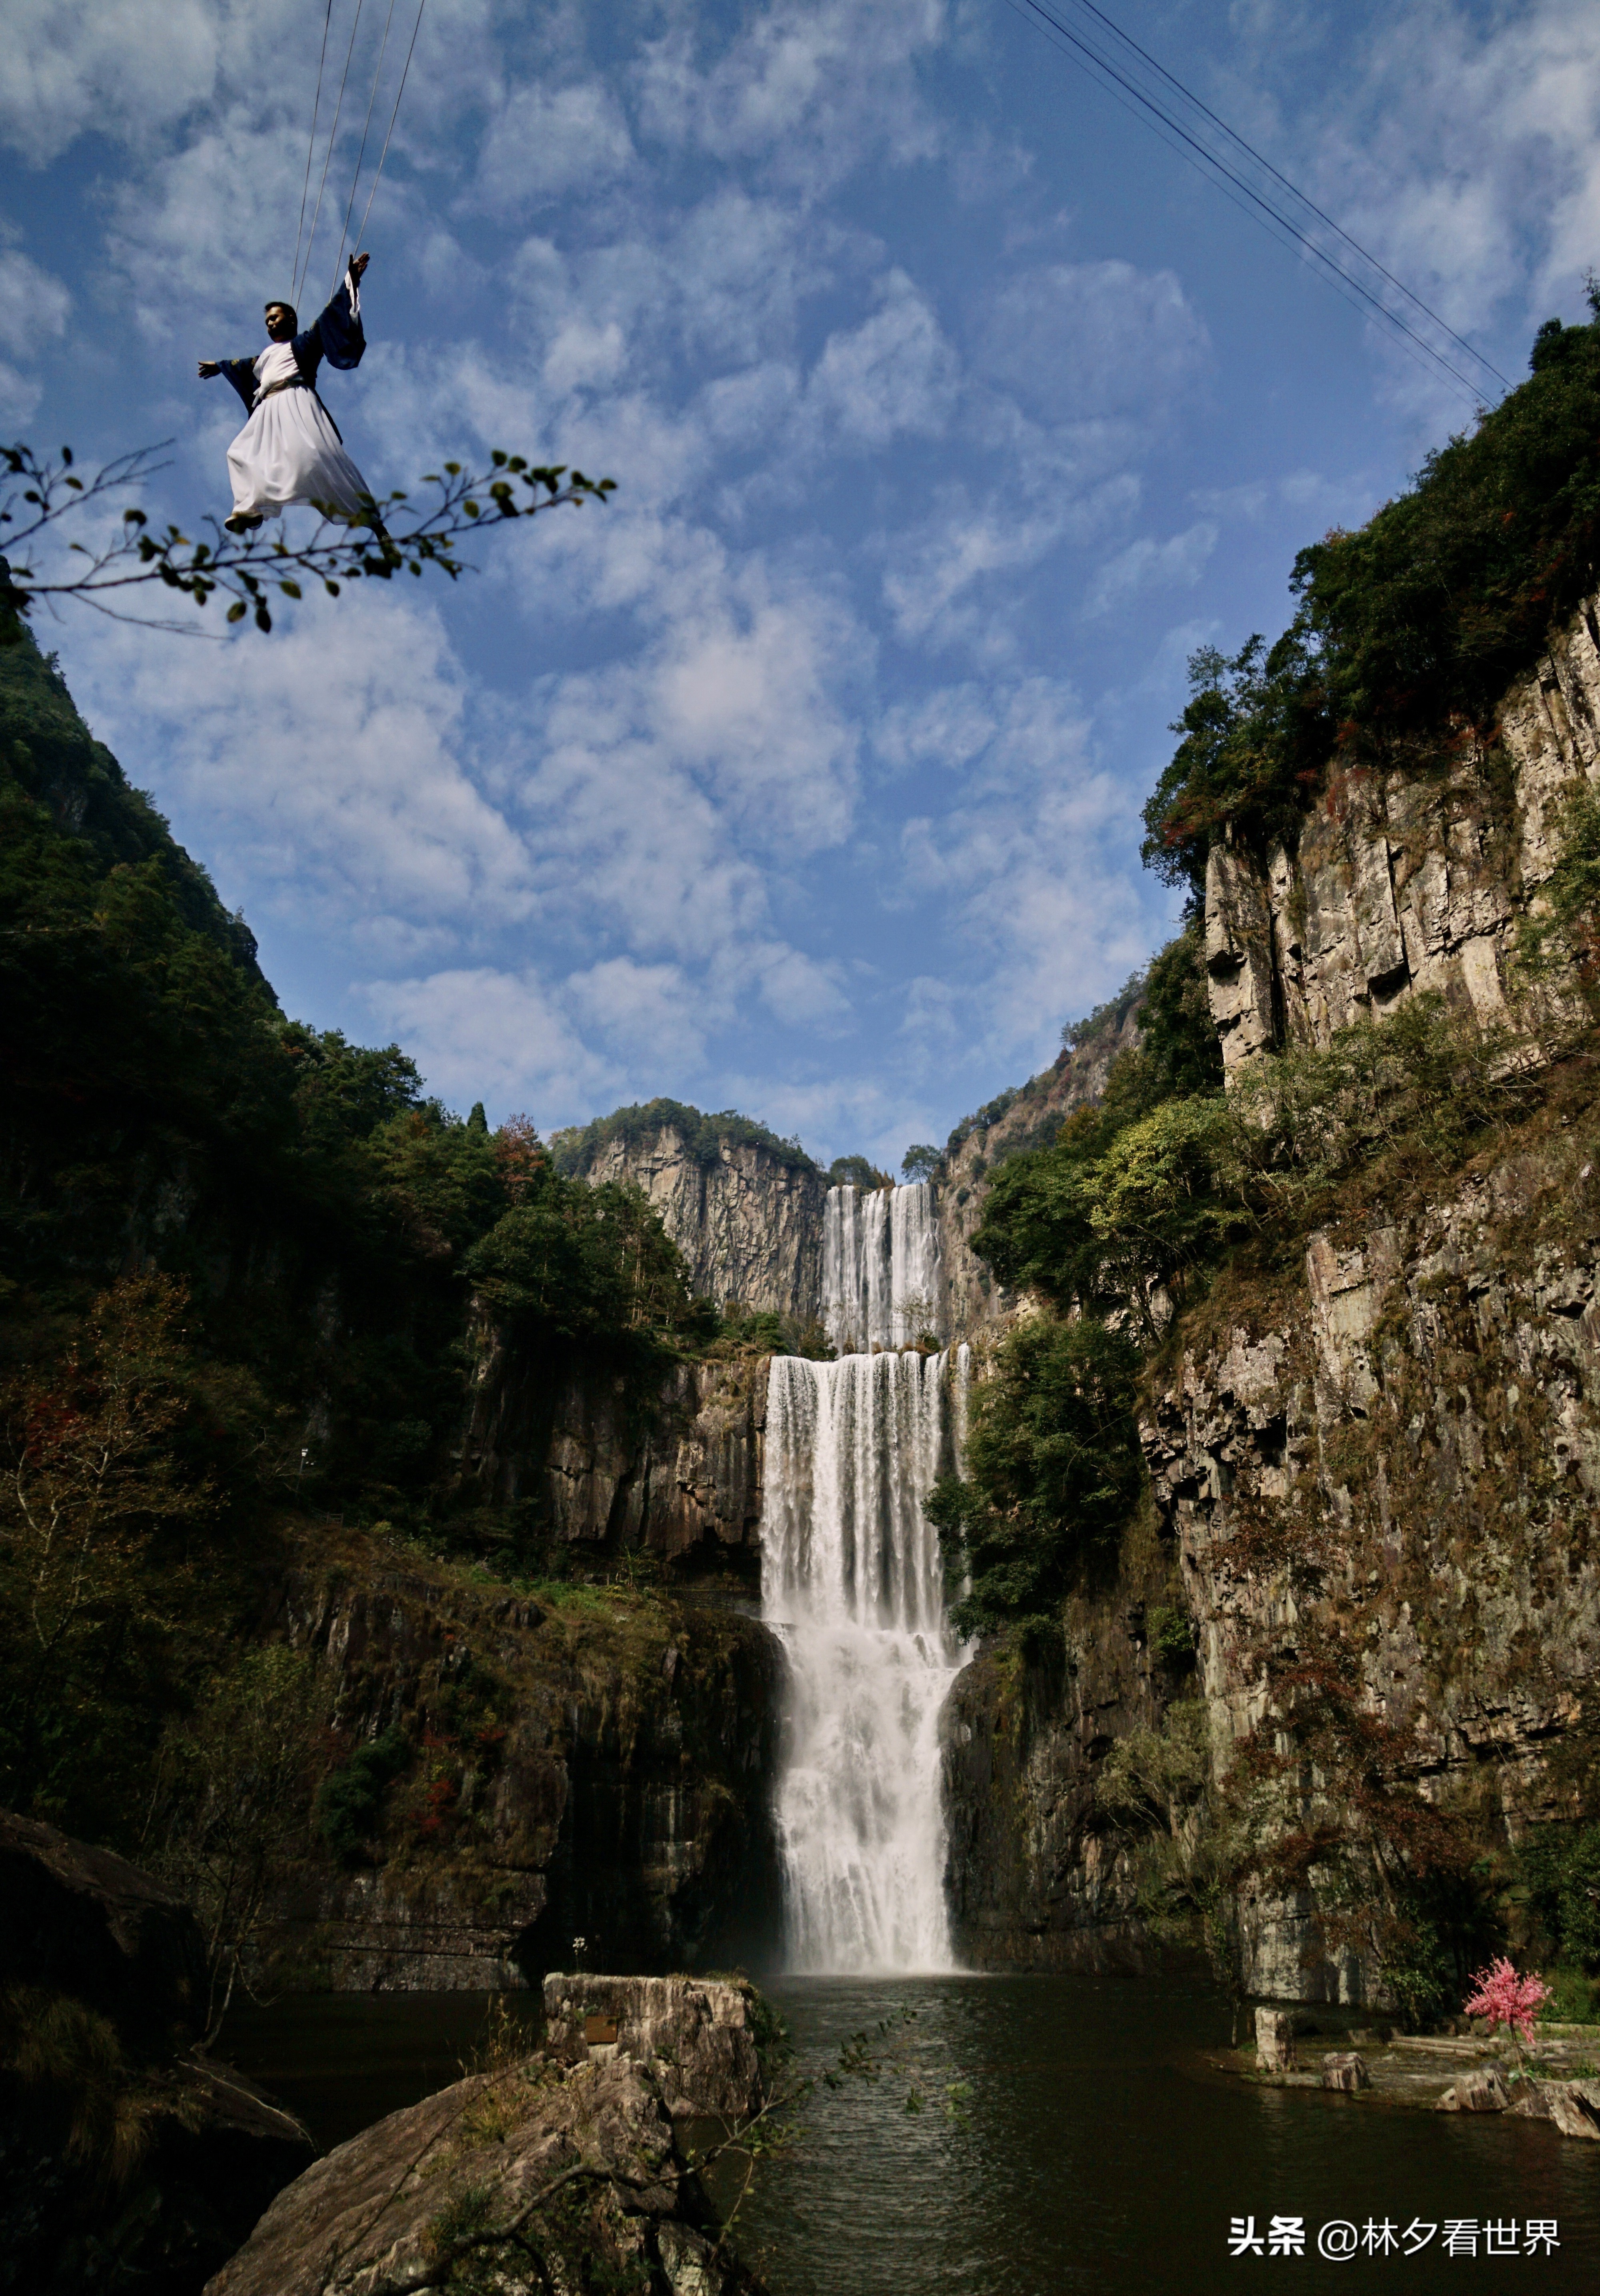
(385, 2213)
(1440, 2072)
(697, 2035)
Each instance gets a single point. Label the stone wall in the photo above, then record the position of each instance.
(1408, 880)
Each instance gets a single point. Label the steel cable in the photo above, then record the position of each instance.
(332, 134)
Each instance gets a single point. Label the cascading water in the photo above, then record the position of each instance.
(852, 1581)
(880, 1267)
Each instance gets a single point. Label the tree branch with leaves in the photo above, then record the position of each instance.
(40, 496)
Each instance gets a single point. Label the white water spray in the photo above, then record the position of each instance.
(852, 1579)
(880, 1267)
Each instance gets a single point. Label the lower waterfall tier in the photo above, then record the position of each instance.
(853, 1583)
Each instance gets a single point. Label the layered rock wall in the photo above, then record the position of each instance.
(748, 1224)
(592, 1762)
(599, 1465)
(1037, 1879)
(1409, 881)
(1406, 1439)
(1379, 1464)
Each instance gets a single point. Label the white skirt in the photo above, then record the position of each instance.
(289, 452)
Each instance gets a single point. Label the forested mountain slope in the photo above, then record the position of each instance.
(273, 1325)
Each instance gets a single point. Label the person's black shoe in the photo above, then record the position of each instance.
(241, 522)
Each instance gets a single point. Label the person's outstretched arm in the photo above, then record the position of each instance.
(340, 338)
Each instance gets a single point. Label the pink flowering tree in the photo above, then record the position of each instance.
(1506, 1999)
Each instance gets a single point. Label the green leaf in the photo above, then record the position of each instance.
(236, 612)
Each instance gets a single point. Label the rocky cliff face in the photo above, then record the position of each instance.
(592, 1762)
(598, 1467)
(1037, 1879)
(1378, 1467)
(1399, 1458)
(1411, 880)
(748, 1224)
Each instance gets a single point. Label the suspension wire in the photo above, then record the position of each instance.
(332, 134)
(393, 116)
(1260, 208)
(310, 147)
(1088, 8)
(361, 154)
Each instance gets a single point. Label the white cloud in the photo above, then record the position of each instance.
(543, 141)
(1082, 342)
(655, 1012)
(893, 374)
(326, 765)
(123, 67)
(1178, 563)
(798, 991)
(928, 585)
(1031, 860)
(810, 86)
(32, 303)
(478, 1033)
(33, 312)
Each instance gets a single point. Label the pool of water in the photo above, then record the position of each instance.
(1074, 2136)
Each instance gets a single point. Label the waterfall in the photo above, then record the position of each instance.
(880, 1267)
(852, 1581)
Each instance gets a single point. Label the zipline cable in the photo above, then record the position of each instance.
(332, 134)
(393, 116)
(1259, 206)
(1128, 40)
(310, 147)
(361, 154)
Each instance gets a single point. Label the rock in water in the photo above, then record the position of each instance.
(696, 2034)
(377, 2214)
(1345, 2069)
(1573, 2105)
(1480, 2091)
(1274, 2040)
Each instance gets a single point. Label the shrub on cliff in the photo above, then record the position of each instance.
(1408, 631)
(1052, 1468)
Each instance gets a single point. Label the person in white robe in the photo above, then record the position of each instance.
(290, 449)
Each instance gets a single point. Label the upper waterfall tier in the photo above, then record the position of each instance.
(852, 1580)
(880, 1267)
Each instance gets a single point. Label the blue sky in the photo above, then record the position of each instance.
(949, 410)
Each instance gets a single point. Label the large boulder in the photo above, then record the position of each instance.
(696, 2034)
(84, 1921)
(378, 2215)
(128, 2160)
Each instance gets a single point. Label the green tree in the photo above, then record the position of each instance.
(1409, 630)
(1051, 1472)
(95, 1473)
(920, 1162)
(233, 1803)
